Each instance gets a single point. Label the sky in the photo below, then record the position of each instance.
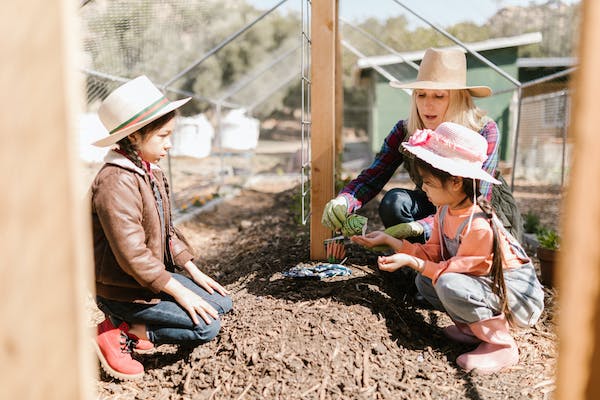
(441, 12)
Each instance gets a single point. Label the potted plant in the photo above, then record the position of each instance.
(531, 225)
(549, 243)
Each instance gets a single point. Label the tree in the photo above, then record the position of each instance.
(161, 39)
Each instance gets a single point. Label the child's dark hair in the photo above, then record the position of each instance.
(497, 273)
(443, 176)
(129, 148)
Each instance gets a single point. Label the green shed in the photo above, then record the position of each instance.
(388, 105)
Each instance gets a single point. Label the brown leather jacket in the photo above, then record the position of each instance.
(133, 258)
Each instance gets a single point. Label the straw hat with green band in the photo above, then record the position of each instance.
(132, 106)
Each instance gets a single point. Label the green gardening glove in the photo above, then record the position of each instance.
(401, 231)
(354, 225)
(335, 213)
(404, 230)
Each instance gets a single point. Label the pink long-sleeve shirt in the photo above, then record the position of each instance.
(475, 252)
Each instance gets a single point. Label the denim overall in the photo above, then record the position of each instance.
(468, 298)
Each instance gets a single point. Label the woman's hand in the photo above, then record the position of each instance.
(372, 239)
(205, 281)
(191, 302)
(399, 260)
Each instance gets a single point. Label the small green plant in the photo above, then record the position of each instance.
(341, 183)
(548, 238)
(531, 222)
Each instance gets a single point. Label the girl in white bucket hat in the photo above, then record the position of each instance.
(136, 247)
(471, 267)
(439, 94)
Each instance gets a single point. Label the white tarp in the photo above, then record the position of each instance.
(238, 131)
(192, 137)
(90, 130)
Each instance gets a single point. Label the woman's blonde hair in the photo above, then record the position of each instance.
(461, 110)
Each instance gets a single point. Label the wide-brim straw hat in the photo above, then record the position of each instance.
(132, 106)
(453, 148)
(443, 69)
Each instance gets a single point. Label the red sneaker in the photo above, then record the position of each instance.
(140, 345)
(114, 351)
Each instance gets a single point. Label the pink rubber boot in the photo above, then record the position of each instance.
(460, 332)
(498, 350)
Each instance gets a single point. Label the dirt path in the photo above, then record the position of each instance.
(358, 337)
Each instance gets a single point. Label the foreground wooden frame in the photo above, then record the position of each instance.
(326, 116)
(579, 262)
(44, 229)
(46, 247)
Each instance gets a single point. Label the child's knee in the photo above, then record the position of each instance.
(451, 288)
(207, 332)
(225, 304)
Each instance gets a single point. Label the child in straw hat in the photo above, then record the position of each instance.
(471, 267)
(439, 94)
(136, 247)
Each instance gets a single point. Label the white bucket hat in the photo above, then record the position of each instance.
(453, 148)
(443, 69)
(132, 106)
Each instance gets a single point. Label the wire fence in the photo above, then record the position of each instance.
(235, 68)
(187, 46)
(543, 149)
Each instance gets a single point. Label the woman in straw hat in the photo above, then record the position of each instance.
(439, 94)
(471, 267)
(136, 247)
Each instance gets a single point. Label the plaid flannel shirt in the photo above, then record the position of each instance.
(372, 179)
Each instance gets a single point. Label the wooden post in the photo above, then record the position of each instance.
(46, 250)
(324, 27)
(579, 261)
(339, 100)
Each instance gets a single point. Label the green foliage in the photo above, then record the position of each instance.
(296, 205)
(341, 183)
(548, 238)
(557, 21)
(160, 39)
(531, 223)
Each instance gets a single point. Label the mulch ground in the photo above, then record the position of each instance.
(362, 336)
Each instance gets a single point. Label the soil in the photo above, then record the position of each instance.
(362, 336)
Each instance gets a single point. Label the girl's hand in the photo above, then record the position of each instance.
(398, 260)
(371, 239)
(191, 302)
(205, 281)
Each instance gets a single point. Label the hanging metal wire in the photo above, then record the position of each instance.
(305, 121)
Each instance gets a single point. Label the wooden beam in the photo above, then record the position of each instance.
(579, 260)
(46, 250)
(339, 101)
(324, 27)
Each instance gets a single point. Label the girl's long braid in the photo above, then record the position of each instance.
(126, 146)
(498, 284)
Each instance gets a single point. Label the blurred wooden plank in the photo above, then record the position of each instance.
(324, 26)
(45, 246)
(339, 101)
(579, 261)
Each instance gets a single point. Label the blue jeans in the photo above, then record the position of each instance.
(468, 298)
(402, 205)
(166, 321)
